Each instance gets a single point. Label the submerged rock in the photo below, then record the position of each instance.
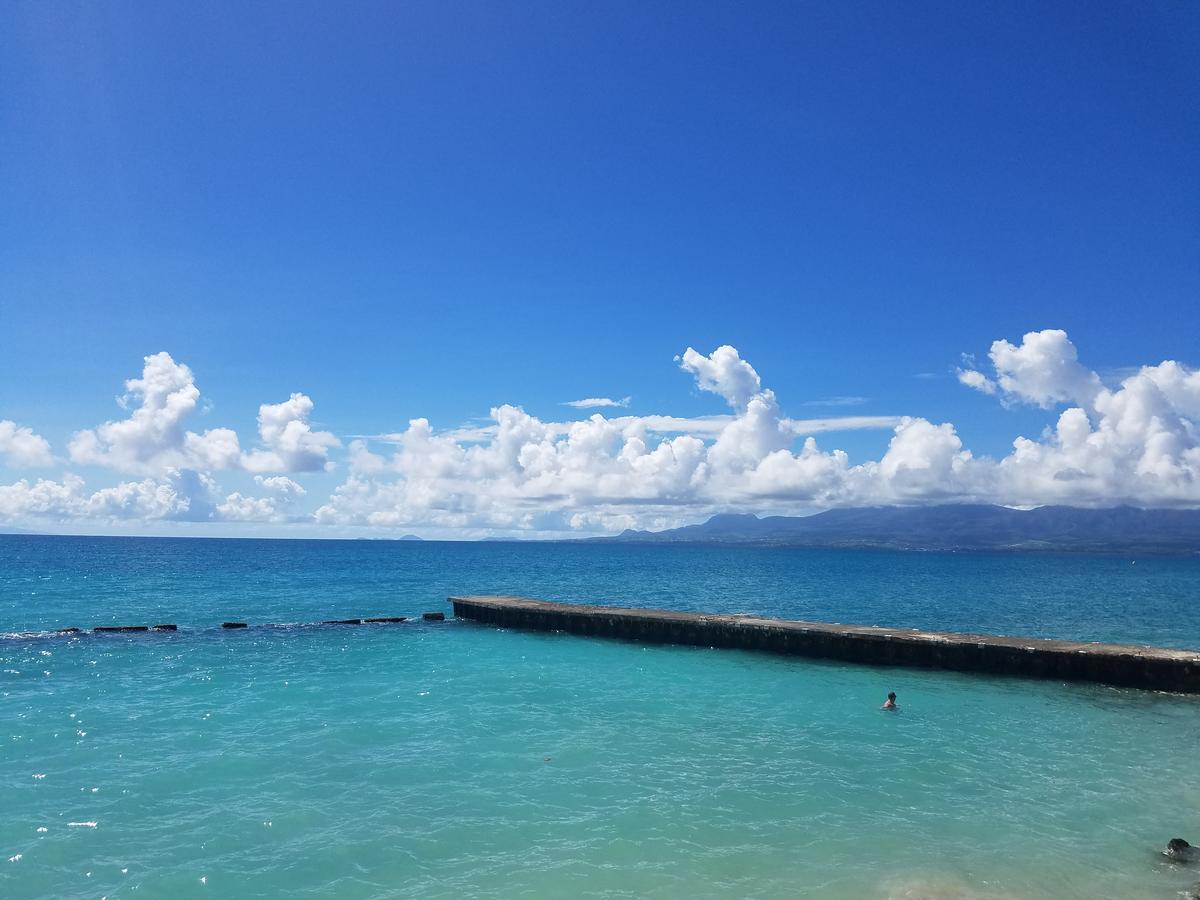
(434, 617)
(233, 624)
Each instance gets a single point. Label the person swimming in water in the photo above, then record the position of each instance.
(1179, 850)
(890, 703)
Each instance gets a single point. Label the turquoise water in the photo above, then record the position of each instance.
(452, 760)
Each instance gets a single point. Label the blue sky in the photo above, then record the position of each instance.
(431, 210)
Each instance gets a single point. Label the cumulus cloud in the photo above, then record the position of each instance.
(977, 380)
(598, 403)
(178, 496)
(155, 437)
(276, 506)
(722, 372)
(1133, 442)
(1044, 370)
(521, 473)
(1137, 443)
(292, 445)
(21, 448)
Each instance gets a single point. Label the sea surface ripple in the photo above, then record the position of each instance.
(451, 759)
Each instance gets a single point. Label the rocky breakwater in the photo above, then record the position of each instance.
(1150, 668)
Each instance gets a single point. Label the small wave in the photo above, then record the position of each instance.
(26, 635)
(82, 824)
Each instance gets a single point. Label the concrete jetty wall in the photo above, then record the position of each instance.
(1150, 668)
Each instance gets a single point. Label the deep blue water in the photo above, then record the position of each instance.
(51, 582)
(456, 760)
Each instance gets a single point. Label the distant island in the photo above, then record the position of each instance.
(951, 527)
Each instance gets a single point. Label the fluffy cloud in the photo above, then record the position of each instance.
(520, 473)
(1135, 443)
(1043, 370)
(292, 445)
(178, 496)
(154, 438)
(1138, 443)
(977, 380)
(275, 506)
(722, 372)
(21, 448)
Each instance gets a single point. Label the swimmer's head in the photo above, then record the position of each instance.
(892, 696)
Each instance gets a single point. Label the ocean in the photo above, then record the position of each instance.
(457, 760)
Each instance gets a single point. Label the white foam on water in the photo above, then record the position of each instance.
(82, 824)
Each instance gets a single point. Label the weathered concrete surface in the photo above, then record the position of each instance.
(1151, 668)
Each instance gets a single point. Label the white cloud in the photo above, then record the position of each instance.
(1136, 442)
(21, 448)
(803, 427)
(180, 495)
(155, 438)
(282, 494)
(520, 473)
(701, 426)
(722, 372)
(280, 486)
(598, 403)
(977, 380)
(24, 499)
(1043, 370)
(292, 445)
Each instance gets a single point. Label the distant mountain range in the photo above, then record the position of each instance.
(957, 527)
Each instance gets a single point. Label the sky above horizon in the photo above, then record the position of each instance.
(558, 269)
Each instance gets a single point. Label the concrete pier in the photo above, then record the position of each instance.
(1150, 668)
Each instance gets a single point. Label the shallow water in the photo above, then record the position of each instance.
(450, 760)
